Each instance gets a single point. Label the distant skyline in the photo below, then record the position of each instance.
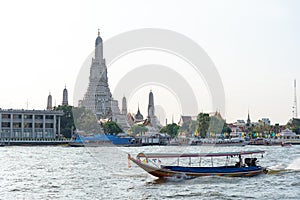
(254, 45)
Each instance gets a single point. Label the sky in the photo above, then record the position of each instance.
(253, 44)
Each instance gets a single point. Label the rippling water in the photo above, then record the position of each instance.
(102, 173)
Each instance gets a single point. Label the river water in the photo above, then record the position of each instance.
(102, 173)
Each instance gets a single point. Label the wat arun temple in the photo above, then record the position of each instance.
(98, 97)
(99, 100)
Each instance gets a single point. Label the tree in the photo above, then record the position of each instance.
(193, 127)
(66, 121)
(185, 127)
(85, 120)
(261, 128)
(111, 127)
(216, 124)
(294, 125)
(137, 129)
(203, 124)
(189, 127)
(249, 128)
(170, 129)
(226, 129)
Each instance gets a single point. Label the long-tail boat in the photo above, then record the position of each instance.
(150, 162)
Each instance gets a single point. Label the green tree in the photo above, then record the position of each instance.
(203, 124)
(216, 124)
(170, 129)
(249, 129)
(85, 120)
(294, 125)
(189, 127)
(137, 129)
(185, 127)
(66, 121)
(111, 127)
(193, 127)
(226, 129)
(261, 128)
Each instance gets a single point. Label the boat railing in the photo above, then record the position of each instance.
(155, 159)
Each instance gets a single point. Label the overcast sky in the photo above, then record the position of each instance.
(254, 44)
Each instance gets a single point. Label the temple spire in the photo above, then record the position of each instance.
(248, 119)
(49, 102)
(99, 48)
(139, 117)
(65, 97)
(124, 106)
(151, 105)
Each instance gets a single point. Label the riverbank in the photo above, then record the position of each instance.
(34, 142)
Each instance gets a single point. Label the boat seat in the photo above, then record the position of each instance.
(250, 161)
(254, 160)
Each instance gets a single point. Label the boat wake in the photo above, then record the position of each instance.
(294, 166)
(179, 178)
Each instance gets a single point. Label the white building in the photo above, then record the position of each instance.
(29, 124)
(240, 122)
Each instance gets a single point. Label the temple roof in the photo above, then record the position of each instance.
(138, 115)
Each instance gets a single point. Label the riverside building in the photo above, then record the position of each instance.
(29, 124)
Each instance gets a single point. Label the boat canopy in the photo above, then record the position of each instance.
(183, 155)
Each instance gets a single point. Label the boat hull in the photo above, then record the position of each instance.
(167, 173)
(100, 140)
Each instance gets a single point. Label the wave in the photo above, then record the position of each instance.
(278, 167)
(293, 166)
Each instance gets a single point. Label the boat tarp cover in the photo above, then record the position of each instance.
(176, 155)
